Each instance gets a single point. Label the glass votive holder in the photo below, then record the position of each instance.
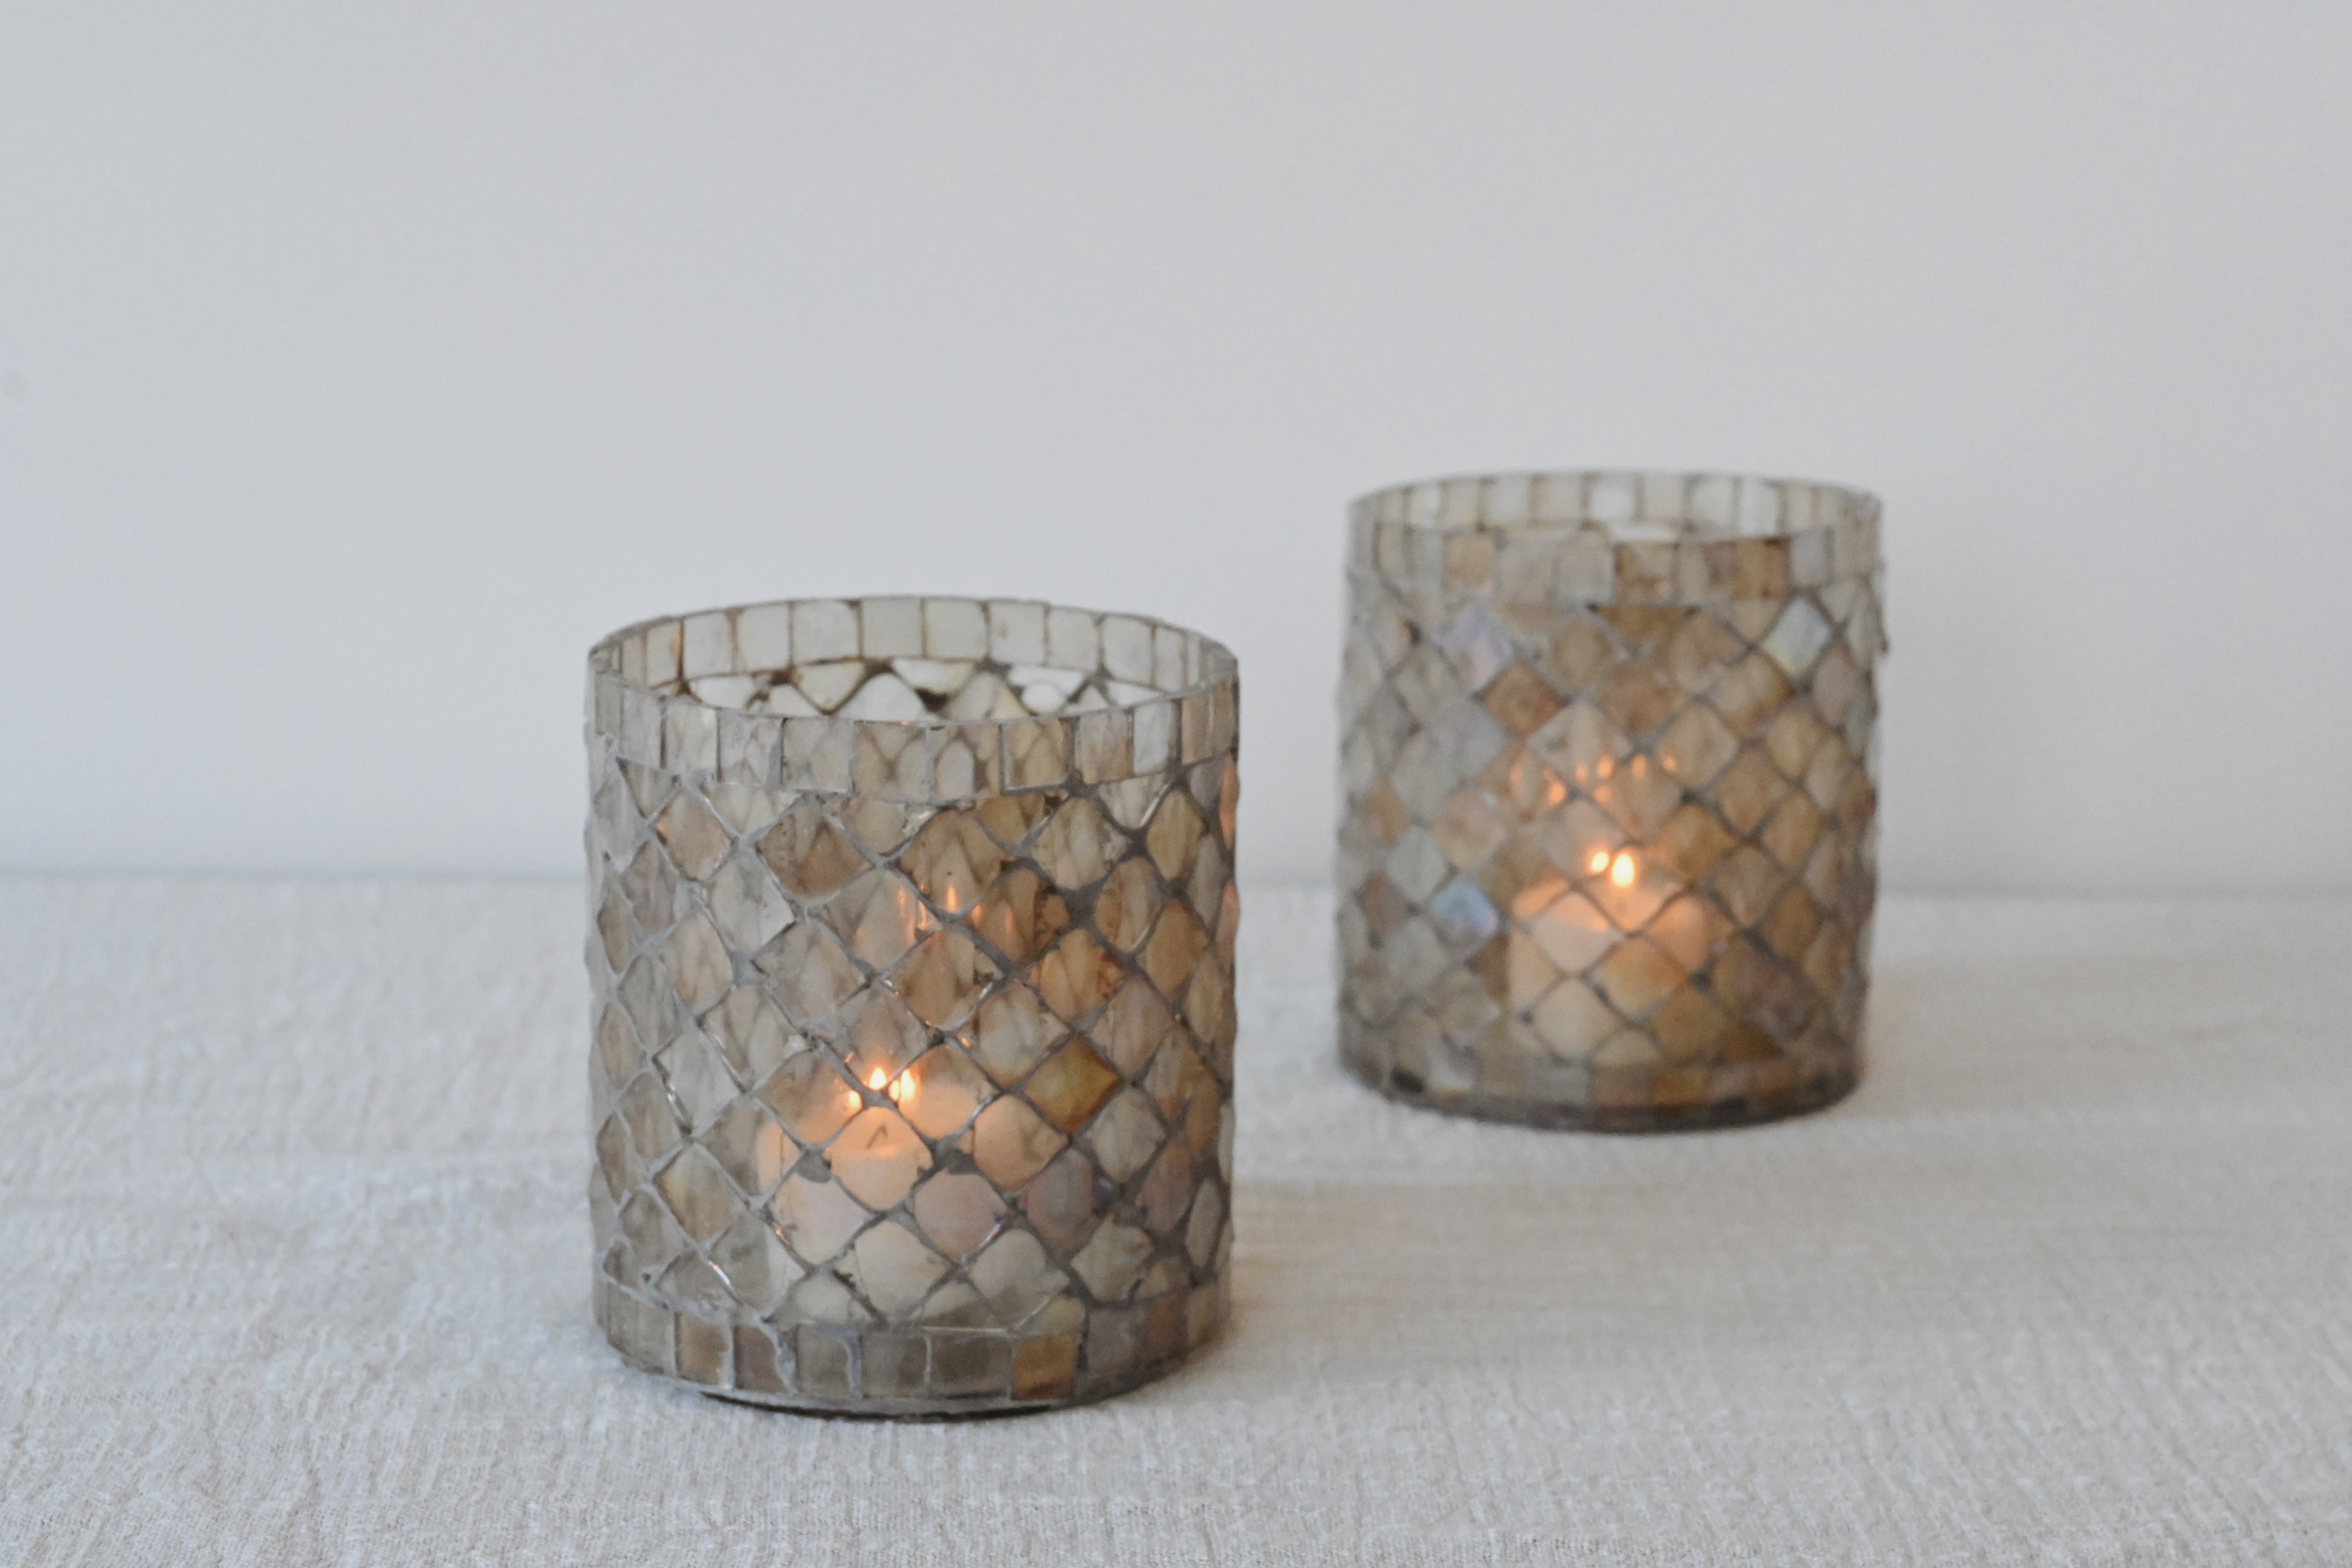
(1606, 852)
(912, 956)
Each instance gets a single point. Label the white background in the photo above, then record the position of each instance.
(360, 365)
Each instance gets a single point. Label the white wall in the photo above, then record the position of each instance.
(360, 365)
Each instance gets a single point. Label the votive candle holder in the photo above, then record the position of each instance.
(912, 958)
(1607, 844)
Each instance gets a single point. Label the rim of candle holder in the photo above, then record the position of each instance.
(1615, 535)
(1169, 695)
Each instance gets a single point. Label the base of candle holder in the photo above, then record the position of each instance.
(1564, 1098)
(911, 1374)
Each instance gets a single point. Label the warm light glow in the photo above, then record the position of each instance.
(902, 1091)
(876, 1079)
(1621, 870)
(1599, 863)
(849, 1100)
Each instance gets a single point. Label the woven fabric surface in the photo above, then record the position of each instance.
(291, 1195)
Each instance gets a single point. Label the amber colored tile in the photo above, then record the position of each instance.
(1019, 915)
(812, 857)
(1696, 746)
(1638, 697)
(1176, 945)
(1127, 901)
(952, 860)
(1045, 1367)
(1071, 1085)
(1131, 1027)
(1794, 829)
(1578, 654)
(1747, 883)
(702, 1350)
(1698, 650)
(1747, 791)
(1384, 907)
(1077, 846)
(1691, 843)
(1687, 1026)
(1175, 833)
(1637, 976)
(1519, 700)
(1080, 974)
(1383, 813)
(1012, 819)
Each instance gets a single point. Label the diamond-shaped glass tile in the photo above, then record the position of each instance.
(1462, 914)
(747, 905)
(1176, 946)
(695, 838)
(1797, 637)
(1062, 1200)
(941, 1092)
(957, 1212)
(1175, 833)
(1125, 1135)
(812, 857)
(750, 1147)
(1475, 644)
(1112, 1261)
(698, 1077)
(893, 1270)
(758, 1268)
(697, 1192)
(1131, 1027)
(1077, 976)
(952, 860)
(1016, 1276)
(1071, 1085)
(811, 1099)
(1011, 1142)
(944, 978)
(817, 1218)
(1011, 1033)
(1129, 900)
(878, 1157)
(1019, 915)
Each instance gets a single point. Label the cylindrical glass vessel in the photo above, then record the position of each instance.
(912, 957)
(1606, 850)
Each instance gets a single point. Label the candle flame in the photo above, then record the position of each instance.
(902, 1091)
(876, 1079)
(1621, 870)
(1599, 863)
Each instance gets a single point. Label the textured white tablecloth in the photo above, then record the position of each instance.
(297, 1260)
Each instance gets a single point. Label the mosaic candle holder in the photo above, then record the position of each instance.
(1607, 848)
(912, 957)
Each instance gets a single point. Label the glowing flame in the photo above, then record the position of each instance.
(901, 1089)
(1599, 863)
(1621, 870)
